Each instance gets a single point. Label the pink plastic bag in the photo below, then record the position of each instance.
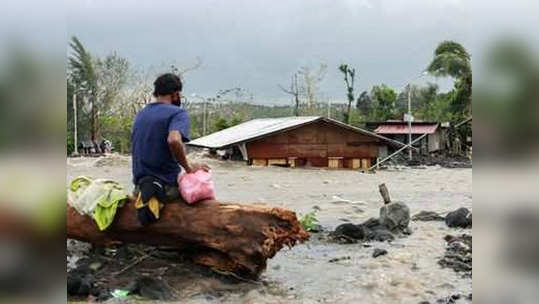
(196, 186)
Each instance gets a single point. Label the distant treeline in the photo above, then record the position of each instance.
(109, 92)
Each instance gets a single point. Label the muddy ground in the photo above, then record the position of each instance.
(409, 273)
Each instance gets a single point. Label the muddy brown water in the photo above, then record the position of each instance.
(409, 273)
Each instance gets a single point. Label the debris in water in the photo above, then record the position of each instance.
(339, 259)
(378, 252)
(114, 160)
(452, 299)
(150, 288)
(458, 254)
(337, 200)
(119, 293)
(95, 266)
(427, 216)
(449, 300)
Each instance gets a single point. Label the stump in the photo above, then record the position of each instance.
(227, 237)
(384, 193)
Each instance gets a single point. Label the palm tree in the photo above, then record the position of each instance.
(452, 60)
(83, 75)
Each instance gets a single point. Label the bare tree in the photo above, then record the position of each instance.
(182, 71)
(311, 79)
(112, 75)
(140, 85)
(294, 91)
(140, 88)
(349, 76)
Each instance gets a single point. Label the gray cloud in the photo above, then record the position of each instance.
(258, 44)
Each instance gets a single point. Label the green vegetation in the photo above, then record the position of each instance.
(349, 77)
(451, 59)
(384, 99)
(222, 123)
(308, 221)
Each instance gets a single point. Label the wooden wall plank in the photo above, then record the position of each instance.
(314, 143)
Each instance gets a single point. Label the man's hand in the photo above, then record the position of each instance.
(195, 167)
(178, 150)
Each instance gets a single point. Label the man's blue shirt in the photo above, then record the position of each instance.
(150, 151)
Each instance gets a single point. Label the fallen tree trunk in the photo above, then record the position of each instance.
(228, 237)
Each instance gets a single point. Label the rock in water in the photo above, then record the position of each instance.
(370, 230)
(372, 223)
(461, 218)
(426, 216)
(395, 216)
(150, 288)
(154, 289)
(79, 284)
(316, 228)
(378, 252)
(458, 255)
(350, 230)
(380, 235)
(375, 231)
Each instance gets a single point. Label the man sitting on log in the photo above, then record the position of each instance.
(158, 152)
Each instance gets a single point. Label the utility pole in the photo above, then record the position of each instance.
(204, 118)
(409, 122)
(75, 145)
(329, 107)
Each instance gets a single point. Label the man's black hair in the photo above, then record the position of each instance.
(167, 84)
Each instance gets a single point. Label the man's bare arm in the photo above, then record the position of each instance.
(177, 148)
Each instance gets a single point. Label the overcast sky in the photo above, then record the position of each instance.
(259, 44)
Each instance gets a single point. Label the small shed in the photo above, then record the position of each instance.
(398, 130)
(299, 141)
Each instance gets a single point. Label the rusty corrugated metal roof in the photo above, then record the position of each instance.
(403, 129)
(258, 128)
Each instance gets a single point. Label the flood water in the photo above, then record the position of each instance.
(409, 273)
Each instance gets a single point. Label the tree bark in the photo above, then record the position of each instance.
(228, 237)
(93, 119)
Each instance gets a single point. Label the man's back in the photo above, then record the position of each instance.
(150, 150)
